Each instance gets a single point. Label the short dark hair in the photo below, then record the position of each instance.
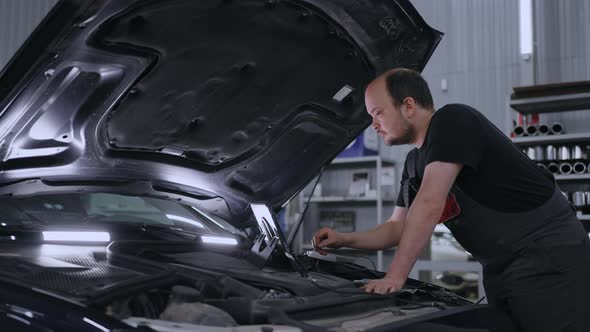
(402, 83)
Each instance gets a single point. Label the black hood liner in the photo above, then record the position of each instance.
(232, 97)
(227, 76)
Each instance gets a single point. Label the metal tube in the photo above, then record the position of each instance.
(553, 168)
(550, 152)
(579, 199)
(565, 168)
(539, 153)
(530, 152)
(532, 130)
(557, 129)
(579, 167)
(544, 129)
(577, 152)
(518, 131)
(563, 153)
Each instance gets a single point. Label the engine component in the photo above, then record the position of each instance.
(275, 295)
(162, 325)
(233, 287)
(147, 304)
(197, 313)
(182, 294)
(518, 131)
(541, 165)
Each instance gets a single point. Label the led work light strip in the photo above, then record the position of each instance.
(76, 236)
(219, 240)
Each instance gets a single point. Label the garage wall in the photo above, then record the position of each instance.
(18, 18)
(478, 57)
(562, 40)
(562, 49)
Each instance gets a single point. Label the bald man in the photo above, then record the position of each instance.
(502, 208)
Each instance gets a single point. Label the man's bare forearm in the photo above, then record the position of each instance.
(421, 219)
(383, 236)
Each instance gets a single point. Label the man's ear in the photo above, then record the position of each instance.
(410, 106)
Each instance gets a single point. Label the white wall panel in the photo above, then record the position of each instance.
(478, 57)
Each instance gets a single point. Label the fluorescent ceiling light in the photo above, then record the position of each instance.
(219, 240)
(186, 220)
(76, 236)
(525, 21)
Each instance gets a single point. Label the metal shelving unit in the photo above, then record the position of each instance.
(359, 160)
(551, 98)
(556, 98)
(551, 139)
(344, 199)
(572, 177)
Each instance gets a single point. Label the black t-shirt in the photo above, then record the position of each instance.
(495, 173)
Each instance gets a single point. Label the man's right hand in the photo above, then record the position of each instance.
(328, 238)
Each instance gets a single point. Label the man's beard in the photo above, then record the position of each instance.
(407, 137)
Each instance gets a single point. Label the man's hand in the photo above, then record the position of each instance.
(328, 238)
(383, 286)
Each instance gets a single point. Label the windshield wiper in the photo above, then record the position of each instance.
(143, 224)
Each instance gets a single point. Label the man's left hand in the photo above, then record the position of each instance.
(383, 286)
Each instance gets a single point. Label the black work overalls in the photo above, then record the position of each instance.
(536, 264)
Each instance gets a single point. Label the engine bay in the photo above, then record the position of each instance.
(208, 289)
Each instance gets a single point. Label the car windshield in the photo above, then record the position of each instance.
(88, 208)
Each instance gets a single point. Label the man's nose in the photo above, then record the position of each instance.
(375, 125)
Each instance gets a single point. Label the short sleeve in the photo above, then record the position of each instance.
(401, 202)
(455, 136)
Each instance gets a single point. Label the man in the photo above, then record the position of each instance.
(502, 208)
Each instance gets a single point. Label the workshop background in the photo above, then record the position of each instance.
(489, 47)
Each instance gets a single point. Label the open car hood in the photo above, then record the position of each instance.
(240, 100)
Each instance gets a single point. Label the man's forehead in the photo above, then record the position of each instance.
(377, 88)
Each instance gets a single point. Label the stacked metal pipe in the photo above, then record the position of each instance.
(579, 199)
(538, 130)
(563, 159)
